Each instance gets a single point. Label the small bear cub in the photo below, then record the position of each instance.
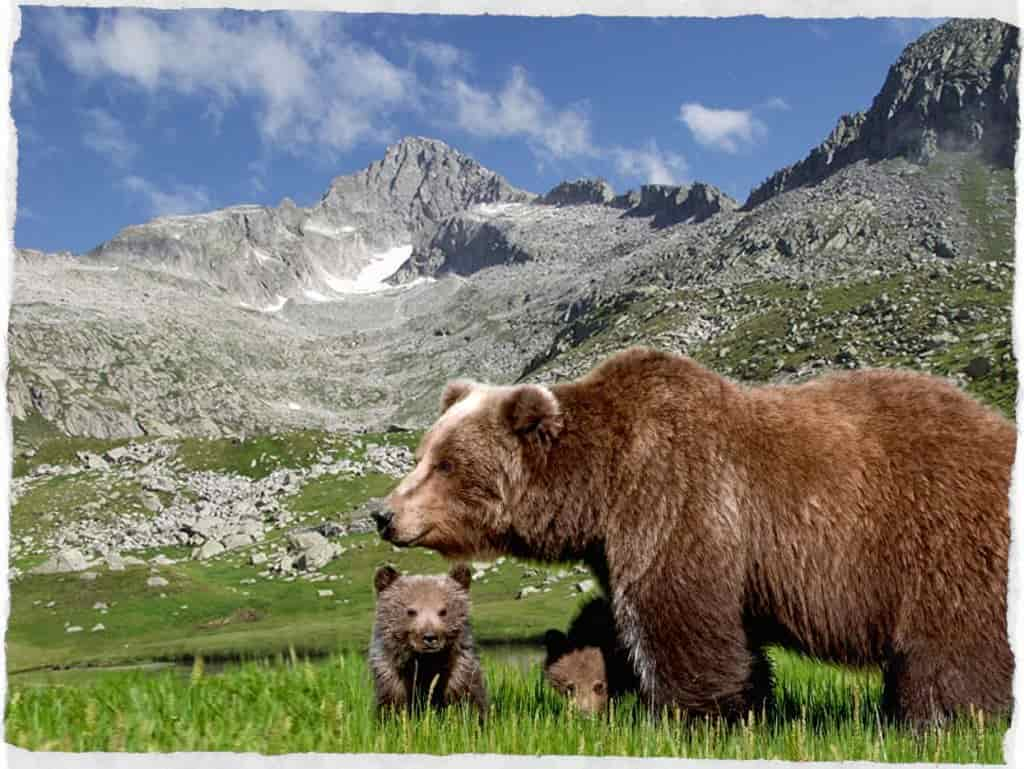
(422, 648)
(589, 664)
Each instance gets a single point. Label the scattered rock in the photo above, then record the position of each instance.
(157, 582)
(65, 561)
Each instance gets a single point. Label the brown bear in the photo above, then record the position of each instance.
(588, 664)
(860, 518)
(422, 647)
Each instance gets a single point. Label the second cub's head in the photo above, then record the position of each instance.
(422, 613)
(577, 672)
(471, 468)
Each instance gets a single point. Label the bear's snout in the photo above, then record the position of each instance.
(383, 518)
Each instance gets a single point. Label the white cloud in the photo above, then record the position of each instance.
(27, 75)
(442, 57)
(650, 164)
(106, 135)
(775, 102)
(520, 109)
(727, 130)
(181, 199)
(303, 75)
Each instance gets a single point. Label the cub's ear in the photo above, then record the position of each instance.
(461, 574)
(455, 391)
(533, 410)
(385, 577)
(555, 641)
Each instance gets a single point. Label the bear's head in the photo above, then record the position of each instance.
(578, 672)
(424, 614)
(473, 467)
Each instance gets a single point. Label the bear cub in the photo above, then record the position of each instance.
(422, 651)
(589, 664)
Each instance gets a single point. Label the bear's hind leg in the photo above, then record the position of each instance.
(927, 687)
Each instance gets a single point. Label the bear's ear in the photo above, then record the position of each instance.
(455, 391)
(533, 410)
(385, 577)
(461, 574)
(555, 641)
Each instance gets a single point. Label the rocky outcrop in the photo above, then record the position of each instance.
(579, 192)
(669, 204)
(463, 245)
(953, 89)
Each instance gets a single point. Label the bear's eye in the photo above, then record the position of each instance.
(599, 687)
(411, 612)
(571, 688)
(442, 613)
(444, 467)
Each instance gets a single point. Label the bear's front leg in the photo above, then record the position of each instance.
(692, 654)
(392, 694)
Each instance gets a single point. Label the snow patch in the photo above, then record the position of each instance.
(371, 278)
(270, 308)
(322, 228)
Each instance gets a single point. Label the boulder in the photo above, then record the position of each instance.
(69, 560)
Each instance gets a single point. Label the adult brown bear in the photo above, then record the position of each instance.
(862, 518)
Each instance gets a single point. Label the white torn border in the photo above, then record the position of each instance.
(10, 23)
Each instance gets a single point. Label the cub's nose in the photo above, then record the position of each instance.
(383, 519)
(430, 638)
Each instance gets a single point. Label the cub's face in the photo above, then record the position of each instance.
(423, 613)
(577, 673)
(469, 469)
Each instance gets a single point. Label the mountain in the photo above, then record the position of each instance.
(876, 254)
(953, 89)
(263, 256)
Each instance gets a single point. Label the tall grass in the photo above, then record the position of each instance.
(297, 706)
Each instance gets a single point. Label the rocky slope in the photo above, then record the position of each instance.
(955, 88)
(263, 256)
(121, 344)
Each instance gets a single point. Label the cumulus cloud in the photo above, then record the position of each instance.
(650, 164)
(442, 57)
(520, 109)
(775, 102)
(728, 130)
(303, 75)
(106, 135)
(314, 90)
(180, 199)
(26, 74)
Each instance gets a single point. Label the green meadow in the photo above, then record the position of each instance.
(294, 705)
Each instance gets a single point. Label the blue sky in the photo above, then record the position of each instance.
(124, 115)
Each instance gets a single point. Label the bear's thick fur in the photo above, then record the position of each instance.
(861, 518)
(589, 664)
(422, 645)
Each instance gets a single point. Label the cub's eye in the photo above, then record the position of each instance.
(571, 688)
(411, 612)
(599, 688)
(442, 613)
(444, 466)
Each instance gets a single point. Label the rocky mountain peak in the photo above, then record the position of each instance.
(579, 192)
(671, 204)
(263, 255)
(954, 88)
